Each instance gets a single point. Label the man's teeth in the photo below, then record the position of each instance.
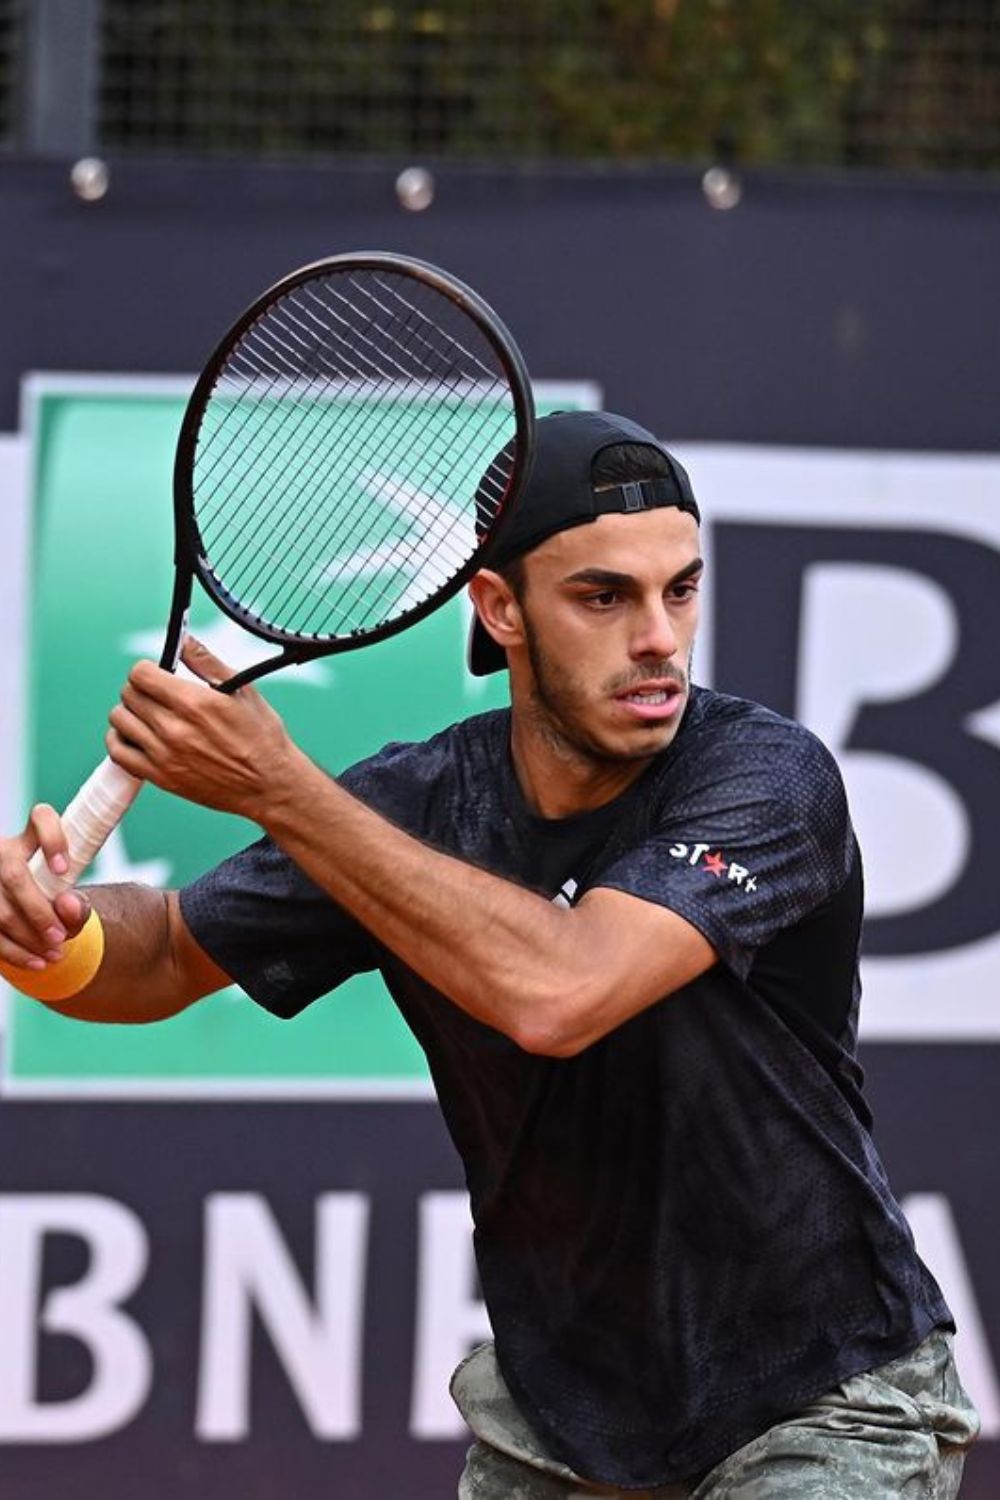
(659, 696)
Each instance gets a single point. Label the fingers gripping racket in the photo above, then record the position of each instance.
(341, 464)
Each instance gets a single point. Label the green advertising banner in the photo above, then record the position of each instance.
(102, 457)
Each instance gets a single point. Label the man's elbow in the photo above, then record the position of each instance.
(565, 1022)
(556, 1042)
(561, 1025)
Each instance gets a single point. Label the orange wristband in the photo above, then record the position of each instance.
(80, 962)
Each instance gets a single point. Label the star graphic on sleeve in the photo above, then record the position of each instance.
(716, 863)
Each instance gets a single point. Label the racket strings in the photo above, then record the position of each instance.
(346, 388)
(439, 449)
(304, 425)
(426, 536)
(233, 487)
(246, 355)
(291, 376)
(448, 377)
(355, 370)
(455, 560)
(376, 371)
(438, 542)
(422, 550)
(405, 370)
(435, 450)
(289, 457)
(402, 456)
(456, 347)
(307, 432)
(386, 489)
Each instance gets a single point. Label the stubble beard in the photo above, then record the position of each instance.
(558, 703)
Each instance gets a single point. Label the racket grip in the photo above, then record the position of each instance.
(94, 812)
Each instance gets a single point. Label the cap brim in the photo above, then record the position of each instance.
(484, 655)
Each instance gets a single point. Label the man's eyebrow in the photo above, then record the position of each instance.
(692, 570)
(606, 578)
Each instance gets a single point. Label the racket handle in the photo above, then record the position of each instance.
(94, 812)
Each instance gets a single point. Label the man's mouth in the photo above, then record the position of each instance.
(647, 695)
(652, 700)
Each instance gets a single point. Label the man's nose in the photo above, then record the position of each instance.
(654, 633)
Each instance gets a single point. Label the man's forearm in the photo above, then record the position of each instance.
(501, 952)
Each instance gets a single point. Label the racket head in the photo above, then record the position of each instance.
(348, 450)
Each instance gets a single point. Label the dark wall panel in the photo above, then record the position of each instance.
(849, 313)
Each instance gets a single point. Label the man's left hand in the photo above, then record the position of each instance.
(227, 751)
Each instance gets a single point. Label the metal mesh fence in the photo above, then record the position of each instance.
(912, 84)
(930, 96)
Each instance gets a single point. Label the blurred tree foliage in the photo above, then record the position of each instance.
(897, 83)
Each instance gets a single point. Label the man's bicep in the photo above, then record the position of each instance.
(644, 950)
(197, 973)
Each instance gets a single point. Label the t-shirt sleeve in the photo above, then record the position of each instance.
(280, 936)
(753, 835)
(273, 930)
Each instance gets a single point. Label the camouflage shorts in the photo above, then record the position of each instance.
(899, 1430)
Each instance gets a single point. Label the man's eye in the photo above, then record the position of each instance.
(602, 600)
(685, 591)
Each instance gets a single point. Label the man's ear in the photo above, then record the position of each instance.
(498, 610)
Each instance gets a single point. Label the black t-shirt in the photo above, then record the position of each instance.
(684, 1232)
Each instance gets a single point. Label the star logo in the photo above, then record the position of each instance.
(703, 855)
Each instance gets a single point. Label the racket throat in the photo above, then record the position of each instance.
(292, 656)
(177, 625)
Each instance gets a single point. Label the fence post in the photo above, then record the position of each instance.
(60, 73)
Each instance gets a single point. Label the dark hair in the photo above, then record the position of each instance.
(621, 463)
(628, 463)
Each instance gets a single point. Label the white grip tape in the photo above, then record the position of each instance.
(94, 812)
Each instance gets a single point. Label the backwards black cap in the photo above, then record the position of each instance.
(560, 493)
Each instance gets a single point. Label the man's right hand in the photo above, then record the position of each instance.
(33, 928)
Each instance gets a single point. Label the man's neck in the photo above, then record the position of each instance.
(558, 778)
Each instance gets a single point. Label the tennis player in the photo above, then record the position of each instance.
(622, 919)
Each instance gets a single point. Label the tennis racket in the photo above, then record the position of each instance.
(342, 462)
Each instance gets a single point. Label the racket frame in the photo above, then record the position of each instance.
(190, 561)
(105, 797)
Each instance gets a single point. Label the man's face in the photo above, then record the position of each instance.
(609, 611)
